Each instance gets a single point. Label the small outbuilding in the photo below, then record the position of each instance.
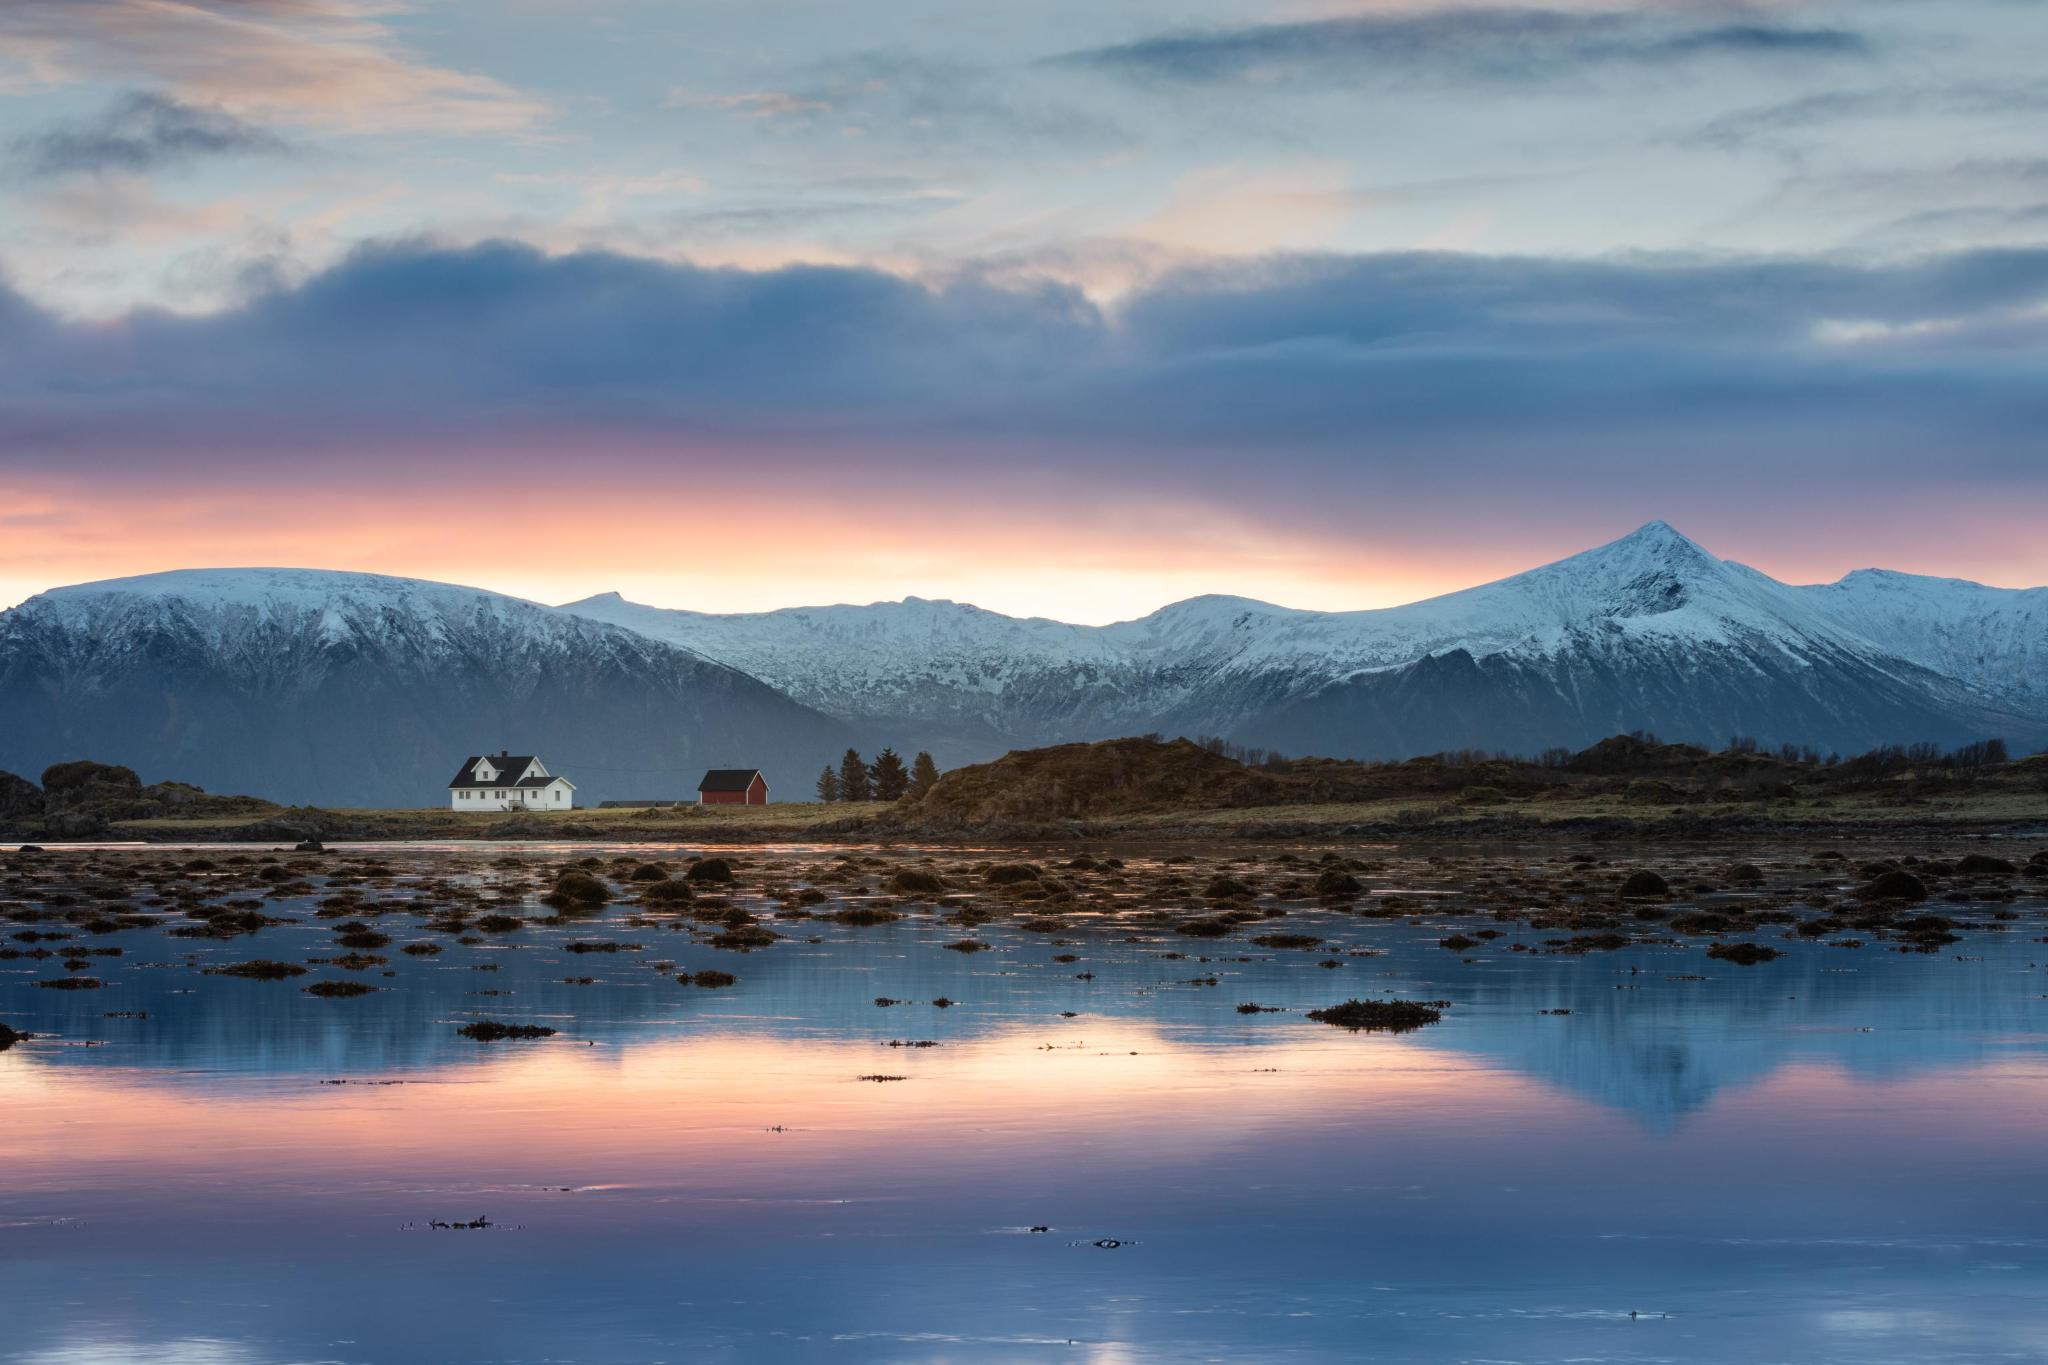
(506, 781)
(733, 787)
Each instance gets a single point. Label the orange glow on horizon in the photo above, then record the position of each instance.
(1084, 562)
(731, 542)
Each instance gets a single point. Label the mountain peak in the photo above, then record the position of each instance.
(1660, 535)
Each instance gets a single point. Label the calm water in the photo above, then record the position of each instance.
(1837, 1156)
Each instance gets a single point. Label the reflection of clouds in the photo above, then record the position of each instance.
(648, 1103)
(101, 1350)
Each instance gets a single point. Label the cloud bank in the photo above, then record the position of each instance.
(142, 132)
(1473, 44)
(1320, 348)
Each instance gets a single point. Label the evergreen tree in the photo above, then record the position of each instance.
(853, 777)
(891, 779)
(923, 773)
(828, 784)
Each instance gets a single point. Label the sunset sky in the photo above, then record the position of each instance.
(1061, 308)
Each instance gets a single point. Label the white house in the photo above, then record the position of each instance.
(503, 781)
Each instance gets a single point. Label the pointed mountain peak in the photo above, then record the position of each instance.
(1659, 534)
(1655, 546)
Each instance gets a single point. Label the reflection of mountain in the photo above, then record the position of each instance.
(1661, 1048)
(1650, 1043)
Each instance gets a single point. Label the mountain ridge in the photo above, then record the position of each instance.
(1582, 627)
(328, 686)
(269, 679)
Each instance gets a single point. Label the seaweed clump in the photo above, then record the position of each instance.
(262, 969)
(1390, 1016)
(491, 1030)
(339, 990)
(1743, 954)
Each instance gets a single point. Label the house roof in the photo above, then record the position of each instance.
(730, 779)
(504, 763)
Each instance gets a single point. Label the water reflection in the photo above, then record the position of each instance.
(1833, 1157)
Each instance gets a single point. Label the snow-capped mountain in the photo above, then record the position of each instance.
(1993, 639)
(1649, 632)
(342, 688)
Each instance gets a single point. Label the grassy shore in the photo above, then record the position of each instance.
(790, 820)
(1403, 816)
(1624, 787)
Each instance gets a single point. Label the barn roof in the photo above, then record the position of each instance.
(730, 779)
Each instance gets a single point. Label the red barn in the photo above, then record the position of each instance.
(733, 787)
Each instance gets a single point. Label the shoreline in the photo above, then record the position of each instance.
(1261, 825)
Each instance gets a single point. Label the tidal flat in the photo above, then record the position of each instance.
(1749, 1101)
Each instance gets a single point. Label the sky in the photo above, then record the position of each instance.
(1063, 309)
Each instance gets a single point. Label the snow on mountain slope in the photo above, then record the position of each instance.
(1652, 586)
(1614, 638)
(353, 688)
(226, 608)
(338, 687)
(1994, 639)
(965, 671)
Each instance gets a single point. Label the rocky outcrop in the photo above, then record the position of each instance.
(82, 799)
(1078, 781)
(21, 801)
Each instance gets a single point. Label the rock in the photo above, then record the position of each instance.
(1894, 885)
(1984, 862)
(309, 846)
(916, 881)
(579, 888)
(1644, 885)
(1334, 885)
(670, 892)
(1010, 874)
(710, 870)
